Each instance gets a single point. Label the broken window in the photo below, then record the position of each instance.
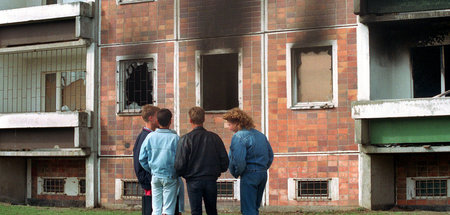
(312, 75)
(431, 70)
(136, 84)
(65, 91)
(220, 81)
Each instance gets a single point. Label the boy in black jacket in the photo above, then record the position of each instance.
(151, 123)
(201, 157)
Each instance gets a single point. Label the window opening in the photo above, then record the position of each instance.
(225, 189)
(312, 74)
(220, 81)
(53, 185)
(431, 188)
(313, 189)
(82, 186)
(136, 84)
(132, 188)
(431, 70)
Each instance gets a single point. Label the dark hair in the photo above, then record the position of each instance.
(147, 111)
(164, 116)
(197, 115)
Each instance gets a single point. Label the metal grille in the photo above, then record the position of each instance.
(43, 81)
(136, 79)
(82, 186)
(313, 189)
(132, 188)
(225, 189)
(431, 188)
(53, 185)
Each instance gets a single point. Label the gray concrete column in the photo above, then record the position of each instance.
(91, 181)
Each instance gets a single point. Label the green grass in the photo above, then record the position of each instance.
(7, 209)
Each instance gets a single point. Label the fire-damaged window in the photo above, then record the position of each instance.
(219, 81)
(135, 83)
(431, 70)
(311, 77)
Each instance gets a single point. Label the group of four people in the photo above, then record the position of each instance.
(161, 157)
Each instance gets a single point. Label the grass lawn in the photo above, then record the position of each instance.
(7, 209)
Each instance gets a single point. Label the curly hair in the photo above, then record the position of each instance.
(242, 119)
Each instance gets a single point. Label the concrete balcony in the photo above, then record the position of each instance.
(403, 125)
(53, 134)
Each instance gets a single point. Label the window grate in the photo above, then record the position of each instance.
(313, 189)
(225, 189)
(43, 81)
(132, 188)
(52, 185)
(431, 188)
(136, 80)
(82, 186)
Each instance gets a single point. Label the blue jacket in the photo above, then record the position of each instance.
(249, 151)
(158, 153)
(144, 177)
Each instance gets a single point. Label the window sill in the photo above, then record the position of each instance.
(122, 2)
(312, 105)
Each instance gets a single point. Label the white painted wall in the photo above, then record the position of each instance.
(390, 76)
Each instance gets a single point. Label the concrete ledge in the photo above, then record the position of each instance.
(44, 13)
(401, 108)
(406, 149)
(45, 120)
(405, 16)
(73, 152)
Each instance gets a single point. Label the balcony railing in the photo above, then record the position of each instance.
(43, 80)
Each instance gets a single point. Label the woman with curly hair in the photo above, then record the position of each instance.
(250, 157)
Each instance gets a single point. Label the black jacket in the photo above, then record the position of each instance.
(201, 155)
(144, 177)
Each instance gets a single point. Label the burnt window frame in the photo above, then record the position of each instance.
(291, 76)
(120, 82)
(442, 65)
(199, 75)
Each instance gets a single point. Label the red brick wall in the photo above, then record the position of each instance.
(288, 14)
(57, 168)
(110, 170)
(293, 131)
(136, 22)
(420, 165)
(205, 18)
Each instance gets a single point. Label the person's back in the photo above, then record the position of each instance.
(207, 158)
(201, 158)
(158, 156)
(257, 149)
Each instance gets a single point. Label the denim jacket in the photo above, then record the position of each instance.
(158, 153)
(249, 151)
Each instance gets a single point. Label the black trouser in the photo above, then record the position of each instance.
(206, 189)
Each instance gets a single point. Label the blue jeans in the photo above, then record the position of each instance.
(252, 189)
(164, 191)
(206, 189)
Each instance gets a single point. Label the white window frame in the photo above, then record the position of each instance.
(333, 189)
(411, 187)
(236, 189)
(198, 75)
(120, 90)
(291, 100)
(120, 2)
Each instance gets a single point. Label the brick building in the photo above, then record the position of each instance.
(250, 54)
(293, 65)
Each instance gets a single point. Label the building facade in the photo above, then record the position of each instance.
(402, 113)
(48, 102)
(331, 84)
